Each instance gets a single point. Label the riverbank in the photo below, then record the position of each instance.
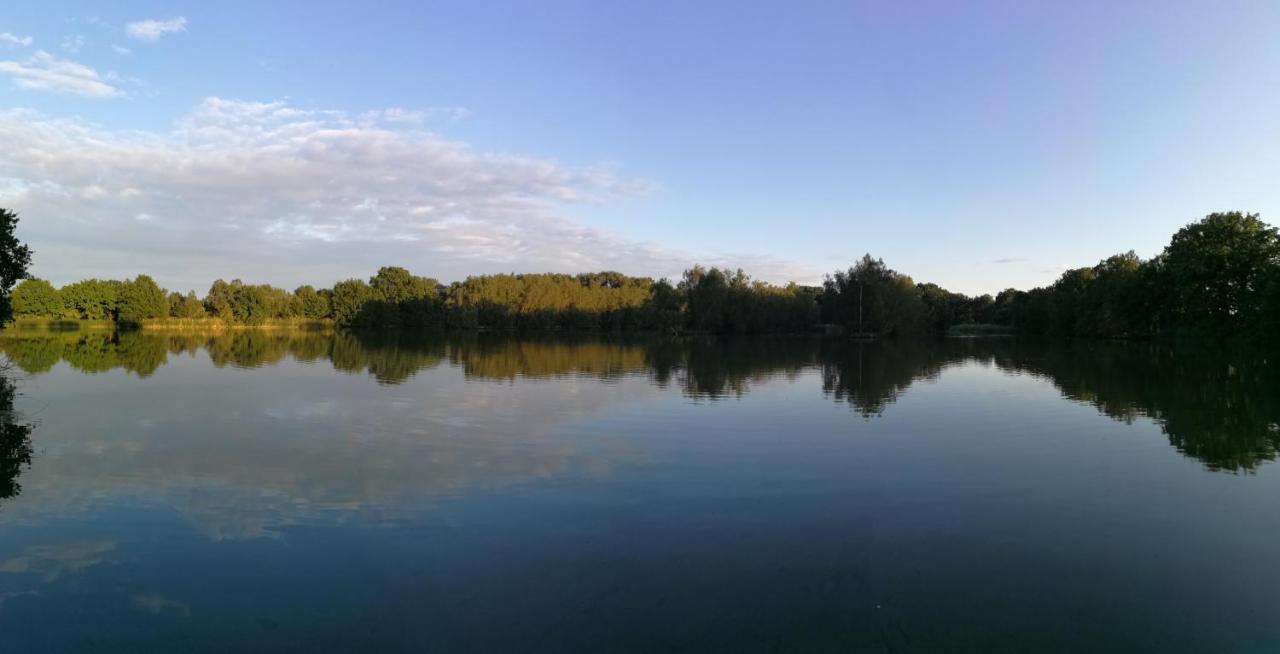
(167, 324)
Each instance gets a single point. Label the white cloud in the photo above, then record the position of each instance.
(121, 50)
(153, 29)
(14, 39)
(45, 72)
(271, 192)
(417, 116)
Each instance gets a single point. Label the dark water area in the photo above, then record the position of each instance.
(317, 492)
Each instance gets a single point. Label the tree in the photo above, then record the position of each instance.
(90, 299)
(36, 298)
(314, 305)
(395, 284)
(403, 299)
(1218, 269)
(348, 302)
(217, 302)
(871, 298)
(251, 305)
(188, 306)
(14, 260)
(15, 443)
(141, 299)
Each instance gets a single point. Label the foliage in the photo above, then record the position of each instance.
(15, 443)
(719, 301)
(140, 299)
(249, 304)
(90, 299)
(586, 302)
(185, 306)
(312, 304)
(346, 305)
(14, 260)
(1217, 278)
(35, 297)
(1217, 271)
(871, 298)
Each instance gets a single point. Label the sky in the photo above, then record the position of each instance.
(977, 145)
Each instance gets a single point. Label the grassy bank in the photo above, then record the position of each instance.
(47, 324)
(165, 324)
(218, 324)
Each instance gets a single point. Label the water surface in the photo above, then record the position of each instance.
(313, 492)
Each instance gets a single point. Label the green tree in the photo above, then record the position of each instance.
(348, 302)
(36, 298)
(90, 299)
(871, 298)
(218, 301)
(14, 260)
(15, 443)
(141, 299)
(314, 305)
(400, 298)
(188, 306)
(1218, 269)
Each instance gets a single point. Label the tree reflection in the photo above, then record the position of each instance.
(871, 375)
(15, 443)
(1220, 407)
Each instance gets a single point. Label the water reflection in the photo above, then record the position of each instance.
(15, 444)
(1222, 408)
(313, 492)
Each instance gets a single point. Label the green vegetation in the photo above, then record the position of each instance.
(15, 443)
(14, 259)
(706, 300)
(35, 298)
(1219, 277)
(15, 436)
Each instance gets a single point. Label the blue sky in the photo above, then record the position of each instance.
(977, 145)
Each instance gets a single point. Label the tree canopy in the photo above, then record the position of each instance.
(15, 257)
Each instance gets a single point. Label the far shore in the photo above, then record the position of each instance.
(168, 324)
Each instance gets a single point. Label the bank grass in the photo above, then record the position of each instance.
(161, 324)
(218, 324)
(60, 325)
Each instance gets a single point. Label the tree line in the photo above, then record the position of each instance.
(1218, 277)
(705, 300)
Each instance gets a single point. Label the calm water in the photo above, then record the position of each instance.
(265, 491)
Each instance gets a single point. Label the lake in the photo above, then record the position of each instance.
(319, 492)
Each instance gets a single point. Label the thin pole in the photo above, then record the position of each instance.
(860, 332)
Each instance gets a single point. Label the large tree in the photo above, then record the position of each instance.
(141, 299)
(1218, 270)
(313, 305)
(348, 302)
(871, 298)
(14, 260)
(36, 298)
(90, 299)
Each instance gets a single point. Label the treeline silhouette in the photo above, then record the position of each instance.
(1218, 277)
(1219, 406)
